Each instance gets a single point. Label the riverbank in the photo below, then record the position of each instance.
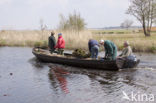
(138, 41)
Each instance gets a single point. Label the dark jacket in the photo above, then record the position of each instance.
(92, 43)
(110, 50)
(51, 42)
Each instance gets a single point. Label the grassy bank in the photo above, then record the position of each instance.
(138, 41)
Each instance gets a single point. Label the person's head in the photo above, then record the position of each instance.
(52, 33)
(59, 34)
(126, 44)
(90, 40)
(102, 42)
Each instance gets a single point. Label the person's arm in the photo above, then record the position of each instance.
(89, 46)
(57, 44)
(121, 53)
(54, 41)
(60, 42)
(49, 42)
(105, 52)
(63, 43)
(109, 49)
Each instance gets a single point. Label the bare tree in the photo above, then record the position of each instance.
(145, 12)
(126, 24)
(43, 27)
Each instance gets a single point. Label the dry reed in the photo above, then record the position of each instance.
(138, 41)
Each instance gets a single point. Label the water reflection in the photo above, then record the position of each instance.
(97, 85)
(35, 63)
(58, 75)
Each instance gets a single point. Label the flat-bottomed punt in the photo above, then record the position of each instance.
(67, 59)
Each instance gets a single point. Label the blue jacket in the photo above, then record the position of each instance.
(92, 43)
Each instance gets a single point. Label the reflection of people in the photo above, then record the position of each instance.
(60, 44)
(51, 42)
(59, 74)
(93, 46)
(127, 51)
(110, 49)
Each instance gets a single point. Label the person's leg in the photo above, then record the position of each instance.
(92, 52)
(61, 51)
(96, 52)
(52, 50)
(110, 57)
(114, 54)
(58, 51)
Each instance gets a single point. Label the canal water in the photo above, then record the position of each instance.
(23, 79)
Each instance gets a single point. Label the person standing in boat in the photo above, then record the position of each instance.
(93, 46)
(110, 49)
(127, 51)
(51, 42)
(60, 44)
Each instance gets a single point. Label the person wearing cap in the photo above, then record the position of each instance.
(60, 44)
(51, 42)
(127, 51)
(110, 49)
(93, 46)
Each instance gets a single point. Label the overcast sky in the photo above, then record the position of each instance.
(26, 14)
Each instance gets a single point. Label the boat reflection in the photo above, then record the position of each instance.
(57, 75)
(35, 63)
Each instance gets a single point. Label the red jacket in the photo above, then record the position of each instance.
(60, 43)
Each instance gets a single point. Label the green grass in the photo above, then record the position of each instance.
(120, 31)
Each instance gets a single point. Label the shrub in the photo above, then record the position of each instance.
(2, 42)
(110, 32)
(120, 32)
(74, 22)
(153, 49)
(41, 44)
(80, 53)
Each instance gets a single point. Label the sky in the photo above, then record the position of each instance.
(26, 14)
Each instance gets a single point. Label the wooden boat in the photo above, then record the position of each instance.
(67, 59)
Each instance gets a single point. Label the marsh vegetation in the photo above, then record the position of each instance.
(137, 40)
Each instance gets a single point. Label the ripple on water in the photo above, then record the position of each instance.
(36, 82)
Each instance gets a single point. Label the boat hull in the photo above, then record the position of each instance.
(45, 56)
(77, 62)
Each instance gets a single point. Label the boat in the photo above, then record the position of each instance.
(67, 59)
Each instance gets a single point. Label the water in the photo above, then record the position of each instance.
(23, 79)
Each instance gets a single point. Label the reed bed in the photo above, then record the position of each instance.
(30, 38)
(138, 41)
